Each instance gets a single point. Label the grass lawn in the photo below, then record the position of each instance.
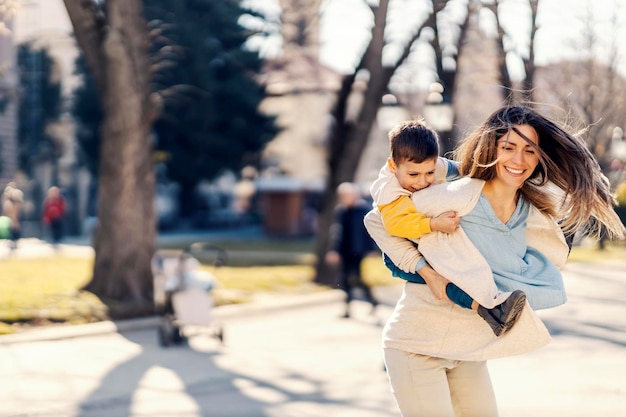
(48, 289)
(590, 253)
(44, 290)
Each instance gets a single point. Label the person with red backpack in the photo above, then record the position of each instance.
(53, 213)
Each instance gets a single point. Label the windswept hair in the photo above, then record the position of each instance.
(413, 141)
(585, 202)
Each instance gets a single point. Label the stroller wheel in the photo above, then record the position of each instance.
(166, 333)
(177, 335)
(219, 333)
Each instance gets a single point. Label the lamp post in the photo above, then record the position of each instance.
(439, 114)
(390, 113)
(618, 144)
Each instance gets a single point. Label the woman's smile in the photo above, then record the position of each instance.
(515, 172)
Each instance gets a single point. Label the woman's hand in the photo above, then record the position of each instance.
(436, 282)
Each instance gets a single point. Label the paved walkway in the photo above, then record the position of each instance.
(292, 356)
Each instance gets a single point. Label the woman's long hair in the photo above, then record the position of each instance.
(585, 201)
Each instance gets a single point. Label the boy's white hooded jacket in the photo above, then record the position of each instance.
(424, 325)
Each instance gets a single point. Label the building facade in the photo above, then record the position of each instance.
(8, 101)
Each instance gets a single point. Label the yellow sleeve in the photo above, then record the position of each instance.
(400, 218)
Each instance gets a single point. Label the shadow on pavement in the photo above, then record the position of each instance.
(176, 380)
(186, 380)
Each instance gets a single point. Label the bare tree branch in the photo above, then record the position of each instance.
(87, 21)
(505, 77)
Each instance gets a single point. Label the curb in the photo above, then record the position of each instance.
(265, 305)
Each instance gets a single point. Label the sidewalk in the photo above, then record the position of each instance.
(295, 357)
(263, 305)
(290, 356)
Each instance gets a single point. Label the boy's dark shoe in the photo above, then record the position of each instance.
(502, 317)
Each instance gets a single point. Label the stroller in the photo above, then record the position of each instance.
(182, 292)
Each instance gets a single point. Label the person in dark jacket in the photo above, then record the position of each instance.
(351, 243)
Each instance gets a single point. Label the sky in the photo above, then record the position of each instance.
(345, 27)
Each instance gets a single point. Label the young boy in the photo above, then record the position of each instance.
(415, 164)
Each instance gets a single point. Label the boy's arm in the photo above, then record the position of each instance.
(398, 273)
(402, 252)
(400, 218)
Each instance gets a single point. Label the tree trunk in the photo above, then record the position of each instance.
(528, 83)
(505, 79)
(349, 137)
(336, 153)
(115, 42)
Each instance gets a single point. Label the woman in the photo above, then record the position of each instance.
(523, 173)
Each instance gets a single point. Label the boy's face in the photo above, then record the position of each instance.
(414, 176)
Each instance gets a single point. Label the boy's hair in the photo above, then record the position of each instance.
(414, 141)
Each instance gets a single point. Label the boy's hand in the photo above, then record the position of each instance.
(446, 222)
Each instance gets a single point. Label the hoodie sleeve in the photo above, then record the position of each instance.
(400, 218)
(402, 252)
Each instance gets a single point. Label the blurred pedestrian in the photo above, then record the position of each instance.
(5, 221)
(5, 193)
(12, 200)
(351, 243)
(53, 213)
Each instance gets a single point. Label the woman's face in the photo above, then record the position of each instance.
(517, 159)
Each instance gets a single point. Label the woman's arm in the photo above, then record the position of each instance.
(403, 258)
(402, 252)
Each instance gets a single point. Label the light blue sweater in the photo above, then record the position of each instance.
(515, 266)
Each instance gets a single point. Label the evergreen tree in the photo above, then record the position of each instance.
(40, 105)
(210, 120)
(87, 110)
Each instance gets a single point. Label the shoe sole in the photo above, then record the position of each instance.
(519, 300)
